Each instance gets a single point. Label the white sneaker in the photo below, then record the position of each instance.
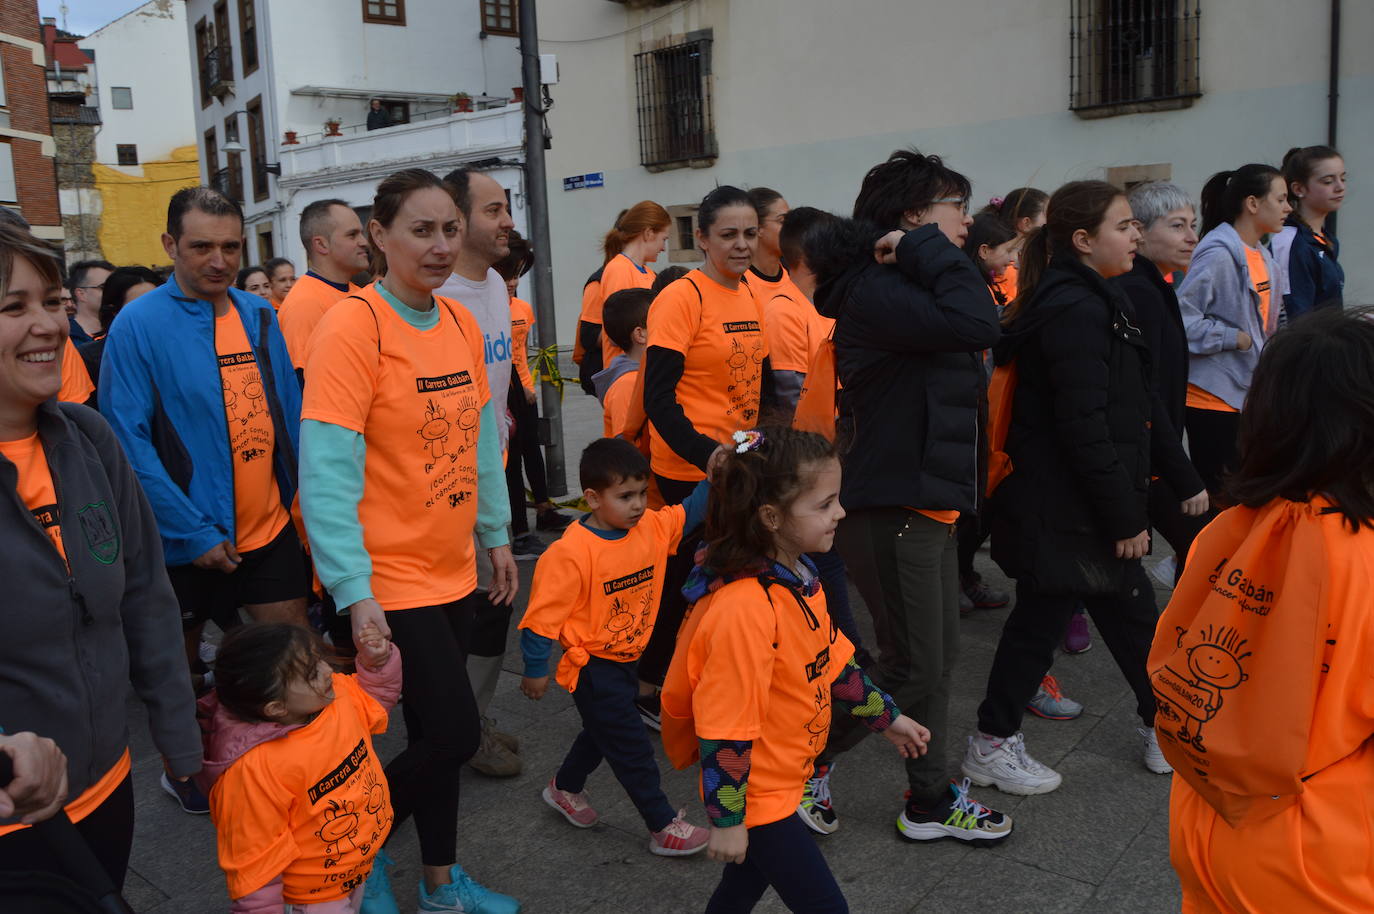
(1154, 756)
(1008, 767)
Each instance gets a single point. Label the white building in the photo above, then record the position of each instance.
(667, 99)
(271, 79)
(144, 86)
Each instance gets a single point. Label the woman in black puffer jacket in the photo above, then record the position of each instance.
(1070, 522)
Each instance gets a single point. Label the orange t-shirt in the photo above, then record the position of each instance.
(302, 309)
(620, 273)
(77, 385)
(599, 597)
(311, 806)
(1006, 283)
(720, 335)
(615, 406)
(793, 327)
(35, 485)
(258, 512)
(754, 665)
(521, 323)
(416, 397)
(590, 314)
(940, 517)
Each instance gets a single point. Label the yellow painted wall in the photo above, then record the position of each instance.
(134, 209)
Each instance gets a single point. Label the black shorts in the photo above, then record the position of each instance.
(278, 571)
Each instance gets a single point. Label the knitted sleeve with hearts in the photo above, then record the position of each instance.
(853, 692)
(724, 779)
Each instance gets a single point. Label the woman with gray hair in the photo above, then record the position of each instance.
(1168, 234)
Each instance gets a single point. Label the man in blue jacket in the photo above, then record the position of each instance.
(198, 386)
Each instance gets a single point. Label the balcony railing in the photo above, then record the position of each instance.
(228, 181)
(217, 71)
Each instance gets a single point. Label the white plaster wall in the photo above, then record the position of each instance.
(808, 95)
(145, 50)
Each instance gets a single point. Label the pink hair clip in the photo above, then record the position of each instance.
(996, 202)
(747, 441)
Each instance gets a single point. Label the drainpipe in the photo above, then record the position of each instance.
(1334, 93)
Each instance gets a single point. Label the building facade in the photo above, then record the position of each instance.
(75, 117)
(28, 180)
(282, 92)
(664, 100)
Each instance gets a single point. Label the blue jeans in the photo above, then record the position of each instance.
(784, 855)
(613, 731)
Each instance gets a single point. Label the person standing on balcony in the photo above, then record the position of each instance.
(377, 116)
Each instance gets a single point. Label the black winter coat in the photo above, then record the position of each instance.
(1080, 435)
(1155, 306)
(907, 343)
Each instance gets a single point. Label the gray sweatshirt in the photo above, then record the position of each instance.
(1217, 300)
(75, 639)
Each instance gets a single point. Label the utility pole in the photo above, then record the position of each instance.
(537, 196)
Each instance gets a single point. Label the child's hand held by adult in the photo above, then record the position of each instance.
(374, 648)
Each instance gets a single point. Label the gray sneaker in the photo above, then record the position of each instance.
(1009, 767)
(494, 758)
(1153, 756)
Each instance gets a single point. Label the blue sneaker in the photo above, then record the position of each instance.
(464, 896)
(187, 794)
(377, 897)
(1051, 703)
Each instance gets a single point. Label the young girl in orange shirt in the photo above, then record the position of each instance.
(298, 796)
(759, 664)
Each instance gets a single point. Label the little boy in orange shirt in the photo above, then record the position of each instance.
(625, 318)
(596, 591)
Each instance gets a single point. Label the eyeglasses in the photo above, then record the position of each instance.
(101, 286)
(961, 202)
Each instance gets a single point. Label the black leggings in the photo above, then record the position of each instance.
(1212, 445)
(442, 724)
(672, 606)
(108, 831)
(524, 453)
(784, 855)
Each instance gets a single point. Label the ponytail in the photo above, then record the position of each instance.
(1035, 257)
(1225, 193)
(630, 224)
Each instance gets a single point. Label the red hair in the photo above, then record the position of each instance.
(631, 223)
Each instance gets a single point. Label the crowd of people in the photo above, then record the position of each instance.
(825, 401)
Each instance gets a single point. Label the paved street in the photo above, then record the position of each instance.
(1098, 844)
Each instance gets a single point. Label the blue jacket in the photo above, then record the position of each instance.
(1312, 274)
(161, 392)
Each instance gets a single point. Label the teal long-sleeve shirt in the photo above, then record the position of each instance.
(332, 468)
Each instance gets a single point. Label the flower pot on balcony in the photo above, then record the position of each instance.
(462, 103)
(517, 95)
(291, 138)
(331, 128)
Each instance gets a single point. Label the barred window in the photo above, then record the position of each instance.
(126, 153)
(1131, 55)
(673, 88)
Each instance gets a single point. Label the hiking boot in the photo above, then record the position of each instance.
(509, 740)
(527, 548)
(493, 758)
(679, 839)
(1006, 765)
(650, 710)
(961, 817)
(464, 895)
(1049, 702)
(815, 808)
(377, 895)
(1078, 639)
(1153, 756)
(983, 596)
(187, 794)
(573, 806)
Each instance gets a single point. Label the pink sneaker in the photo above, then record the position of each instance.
(1079, 638)
(679, 839)
(573, 806)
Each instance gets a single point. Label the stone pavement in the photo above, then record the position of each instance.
(1098, 844)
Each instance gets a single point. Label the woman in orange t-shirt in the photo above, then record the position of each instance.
(88, 608)
(1023, 211)
(400, 464)
(639, 235)
(760, 665)
(705, 373)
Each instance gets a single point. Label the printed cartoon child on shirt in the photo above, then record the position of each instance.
(449, 428)
(743, 366)
(633, 604)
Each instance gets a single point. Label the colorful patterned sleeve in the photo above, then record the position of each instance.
(853, 692)
(725, 779)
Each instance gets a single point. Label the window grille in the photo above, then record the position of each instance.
(126, 153)
(1129, 52)
(673, 88)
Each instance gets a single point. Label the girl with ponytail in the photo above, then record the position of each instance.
(1305, 251)
(639, 235)
(1021, 211)
(1070, 522)
(1230, 306)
